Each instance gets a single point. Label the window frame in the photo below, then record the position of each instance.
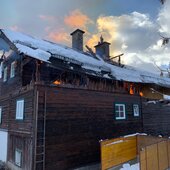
(5, 75)
(117, 112)
(0, 114)
(19, 116)
(19, 152)
(12, 71)
(134, 114)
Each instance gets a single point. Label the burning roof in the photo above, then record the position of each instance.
(43, 50)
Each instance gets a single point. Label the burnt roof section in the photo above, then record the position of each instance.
(44, 50)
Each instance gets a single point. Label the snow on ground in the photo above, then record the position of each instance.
(130, 167)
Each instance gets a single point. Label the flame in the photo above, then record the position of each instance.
(141, 94)
(131, 89)
(57, 82)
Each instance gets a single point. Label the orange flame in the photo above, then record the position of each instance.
(131, 89)
(141, 94)
(57, 82)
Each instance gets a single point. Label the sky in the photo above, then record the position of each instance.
(132, 27)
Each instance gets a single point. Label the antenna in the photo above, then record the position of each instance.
(101, 39)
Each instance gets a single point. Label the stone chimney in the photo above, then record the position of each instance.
(77, 39)
(102, 49)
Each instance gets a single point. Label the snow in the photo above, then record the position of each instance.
(127, 166)
(116, 142)
(151, 102)
(35, 53)
(43, 50)
(135, 134)
(166, 97)
(143, 134)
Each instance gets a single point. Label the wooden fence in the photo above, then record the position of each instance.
(155, 156)
(117, 151)
(153, 152)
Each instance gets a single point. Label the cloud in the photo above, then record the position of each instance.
(164, 19)
(60, 36)
(93, 41)
(48, 18)
(135, 35)
(59, 29)
(15, 28)
(76, 19)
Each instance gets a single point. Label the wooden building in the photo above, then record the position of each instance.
(57, 102)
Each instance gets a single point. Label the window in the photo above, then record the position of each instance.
(20, 109)
(18, 155)
(5, 74)
(120, 111)
(0, 115)
(136, 110)
(12, 73)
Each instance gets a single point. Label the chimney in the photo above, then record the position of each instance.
(102, 49)
(77, 39)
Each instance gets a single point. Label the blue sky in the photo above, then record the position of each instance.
(24, 13)
(131, 26)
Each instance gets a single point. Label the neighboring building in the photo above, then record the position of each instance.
(57, 102)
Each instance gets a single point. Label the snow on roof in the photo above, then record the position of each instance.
(43, 50)
(35, 53)
(166, 97)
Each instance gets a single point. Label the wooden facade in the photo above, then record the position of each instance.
(66, 112)
(156, 118)
(76, 120)
(62, 125)
(20, 132)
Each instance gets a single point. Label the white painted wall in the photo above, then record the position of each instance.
(3, 145)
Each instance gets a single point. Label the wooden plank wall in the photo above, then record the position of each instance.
(77, 119)
(154, 152)
(4, 103)
(25, 125)
(20, 132)
(156, 119)
(25, 145)
(155, 156)
(8, 104)
(144, 141)
(118, 151)
(12, 84)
